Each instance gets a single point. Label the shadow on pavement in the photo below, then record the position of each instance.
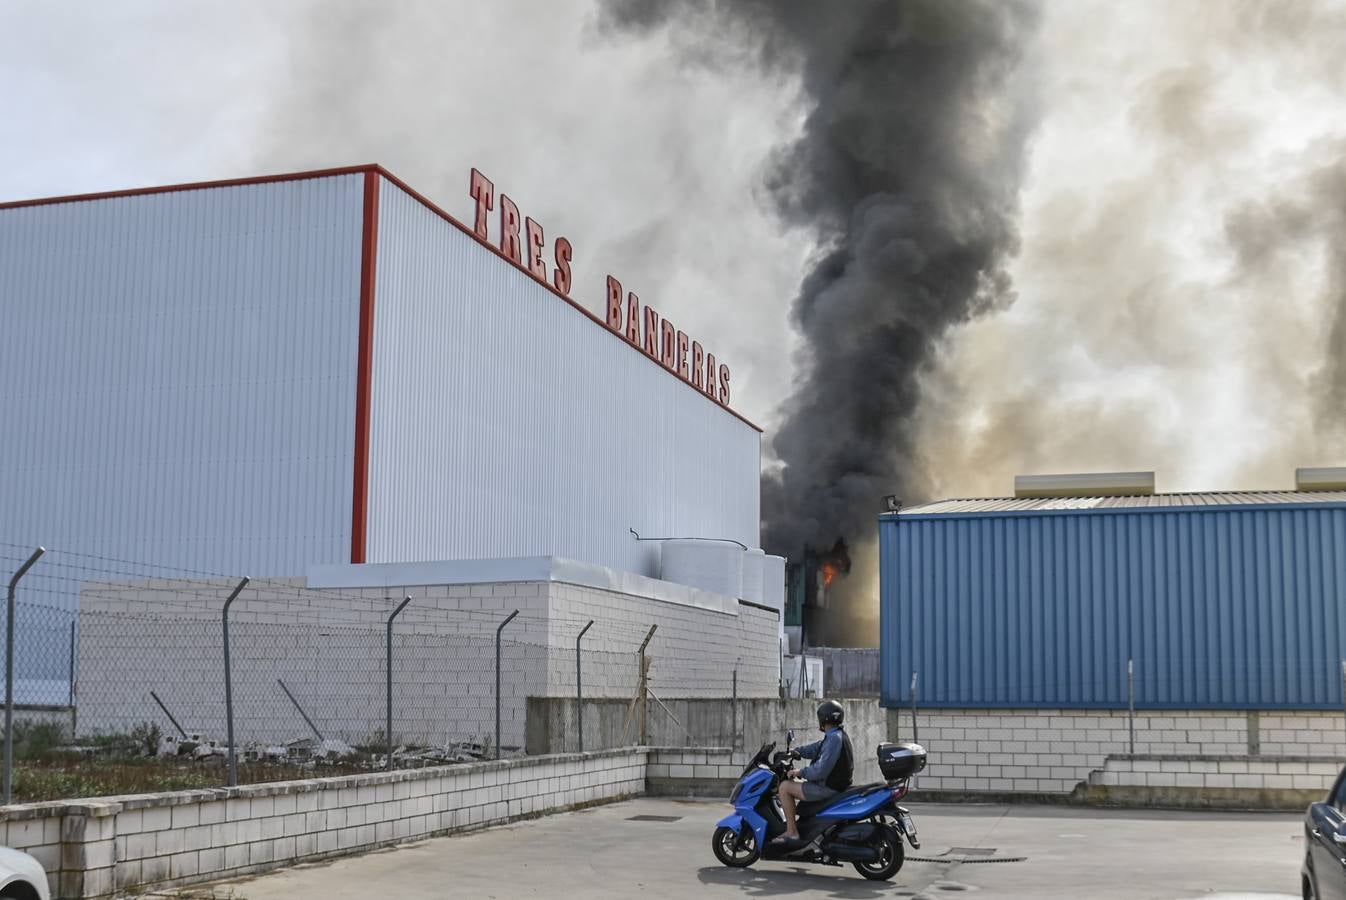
(795, 880)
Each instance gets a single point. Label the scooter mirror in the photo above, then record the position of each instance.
(789, 738)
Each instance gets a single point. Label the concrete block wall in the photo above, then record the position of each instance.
(1286, 783)
(707, 723)
(693, 772)
(95, 848)
(1310, 774)
(1053, 751)
(694, 652)
(328, 646)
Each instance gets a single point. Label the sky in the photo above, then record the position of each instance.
(1175, 294)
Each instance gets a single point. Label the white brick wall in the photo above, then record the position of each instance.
(328, 647)
(91, 848)
(1316, 775)
(1052, 751)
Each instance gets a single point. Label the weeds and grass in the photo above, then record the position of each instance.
(46, 768)
(85, 777)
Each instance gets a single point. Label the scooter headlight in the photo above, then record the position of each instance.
(733, 797)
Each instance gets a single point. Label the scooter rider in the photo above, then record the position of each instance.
(830, 773)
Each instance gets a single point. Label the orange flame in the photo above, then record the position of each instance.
(830, 571)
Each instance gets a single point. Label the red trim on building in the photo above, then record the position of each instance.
(368, 170)
(364, 377)
(192, 186)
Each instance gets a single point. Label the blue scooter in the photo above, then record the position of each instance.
(863, 826)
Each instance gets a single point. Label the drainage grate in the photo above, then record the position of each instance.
(967, 855)
(949, 860)
(653, 818)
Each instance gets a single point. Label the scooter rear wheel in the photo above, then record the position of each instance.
(891, 857)
(733, 850)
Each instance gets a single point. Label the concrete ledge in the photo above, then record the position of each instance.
(105, 846)
(700, 788)
(1135, 796)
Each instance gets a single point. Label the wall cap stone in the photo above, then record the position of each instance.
(98, 807)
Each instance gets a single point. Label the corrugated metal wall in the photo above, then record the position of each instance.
(506, 423)
(1218, 608)
(178, 376)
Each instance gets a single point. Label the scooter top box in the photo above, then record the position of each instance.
(901, 760)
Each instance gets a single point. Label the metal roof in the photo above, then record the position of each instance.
(1146, 501)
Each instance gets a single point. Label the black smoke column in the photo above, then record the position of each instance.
(908, 169)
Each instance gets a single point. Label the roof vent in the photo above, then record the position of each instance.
(1322, 479)
(1089, 484)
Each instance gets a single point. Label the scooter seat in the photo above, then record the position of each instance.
(813, 807)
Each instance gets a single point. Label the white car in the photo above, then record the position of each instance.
(21, 877)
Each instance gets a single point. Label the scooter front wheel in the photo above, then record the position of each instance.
(734, 850)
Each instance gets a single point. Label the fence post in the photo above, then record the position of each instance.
(508, 619)
(579, 687)
(72, 666)
(9, 672)
(1131, 702)
(645, 688)
(1343, 684)
(915, 735)
(733, 729)
(388, 733)
(229, 685)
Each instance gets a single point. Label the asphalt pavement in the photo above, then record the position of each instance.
(661, 848)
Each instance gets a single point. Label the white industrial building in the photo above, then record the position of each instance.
(324, 376)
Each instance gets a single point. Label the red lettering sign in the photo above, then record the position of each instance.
(652, 333)
(562, 277)
(483, 192)
(668, 341)
(658, 338)
(535, 264)
(632, 319)
(509, 230)
(614, 304)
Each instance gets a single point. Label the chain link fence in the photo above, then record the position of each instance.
(135, 691)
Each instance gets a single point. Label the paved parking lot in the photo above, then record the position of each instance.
(604, 852)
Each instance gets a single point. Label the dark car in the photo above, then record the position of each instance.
(1324, 871)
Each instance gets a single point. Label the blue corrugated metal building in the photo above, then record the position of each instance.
(1222, 600)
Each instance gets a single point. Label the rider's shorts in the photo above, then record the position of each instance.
(816, 791)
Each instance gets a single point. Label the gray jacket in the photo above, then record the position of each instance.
(824, 754)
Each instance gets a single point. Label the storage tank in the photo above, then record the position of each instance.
(752, 575)
(773, 583)
(715, 566)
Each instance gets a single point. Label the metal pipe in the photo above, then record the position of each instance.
(9, 673)
(169, 714)
(721, 540)
(915, 735)
(229, 684)
(1131, 700)
(579, 686)
(508, 619)
(388, 733)
(300, 709)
